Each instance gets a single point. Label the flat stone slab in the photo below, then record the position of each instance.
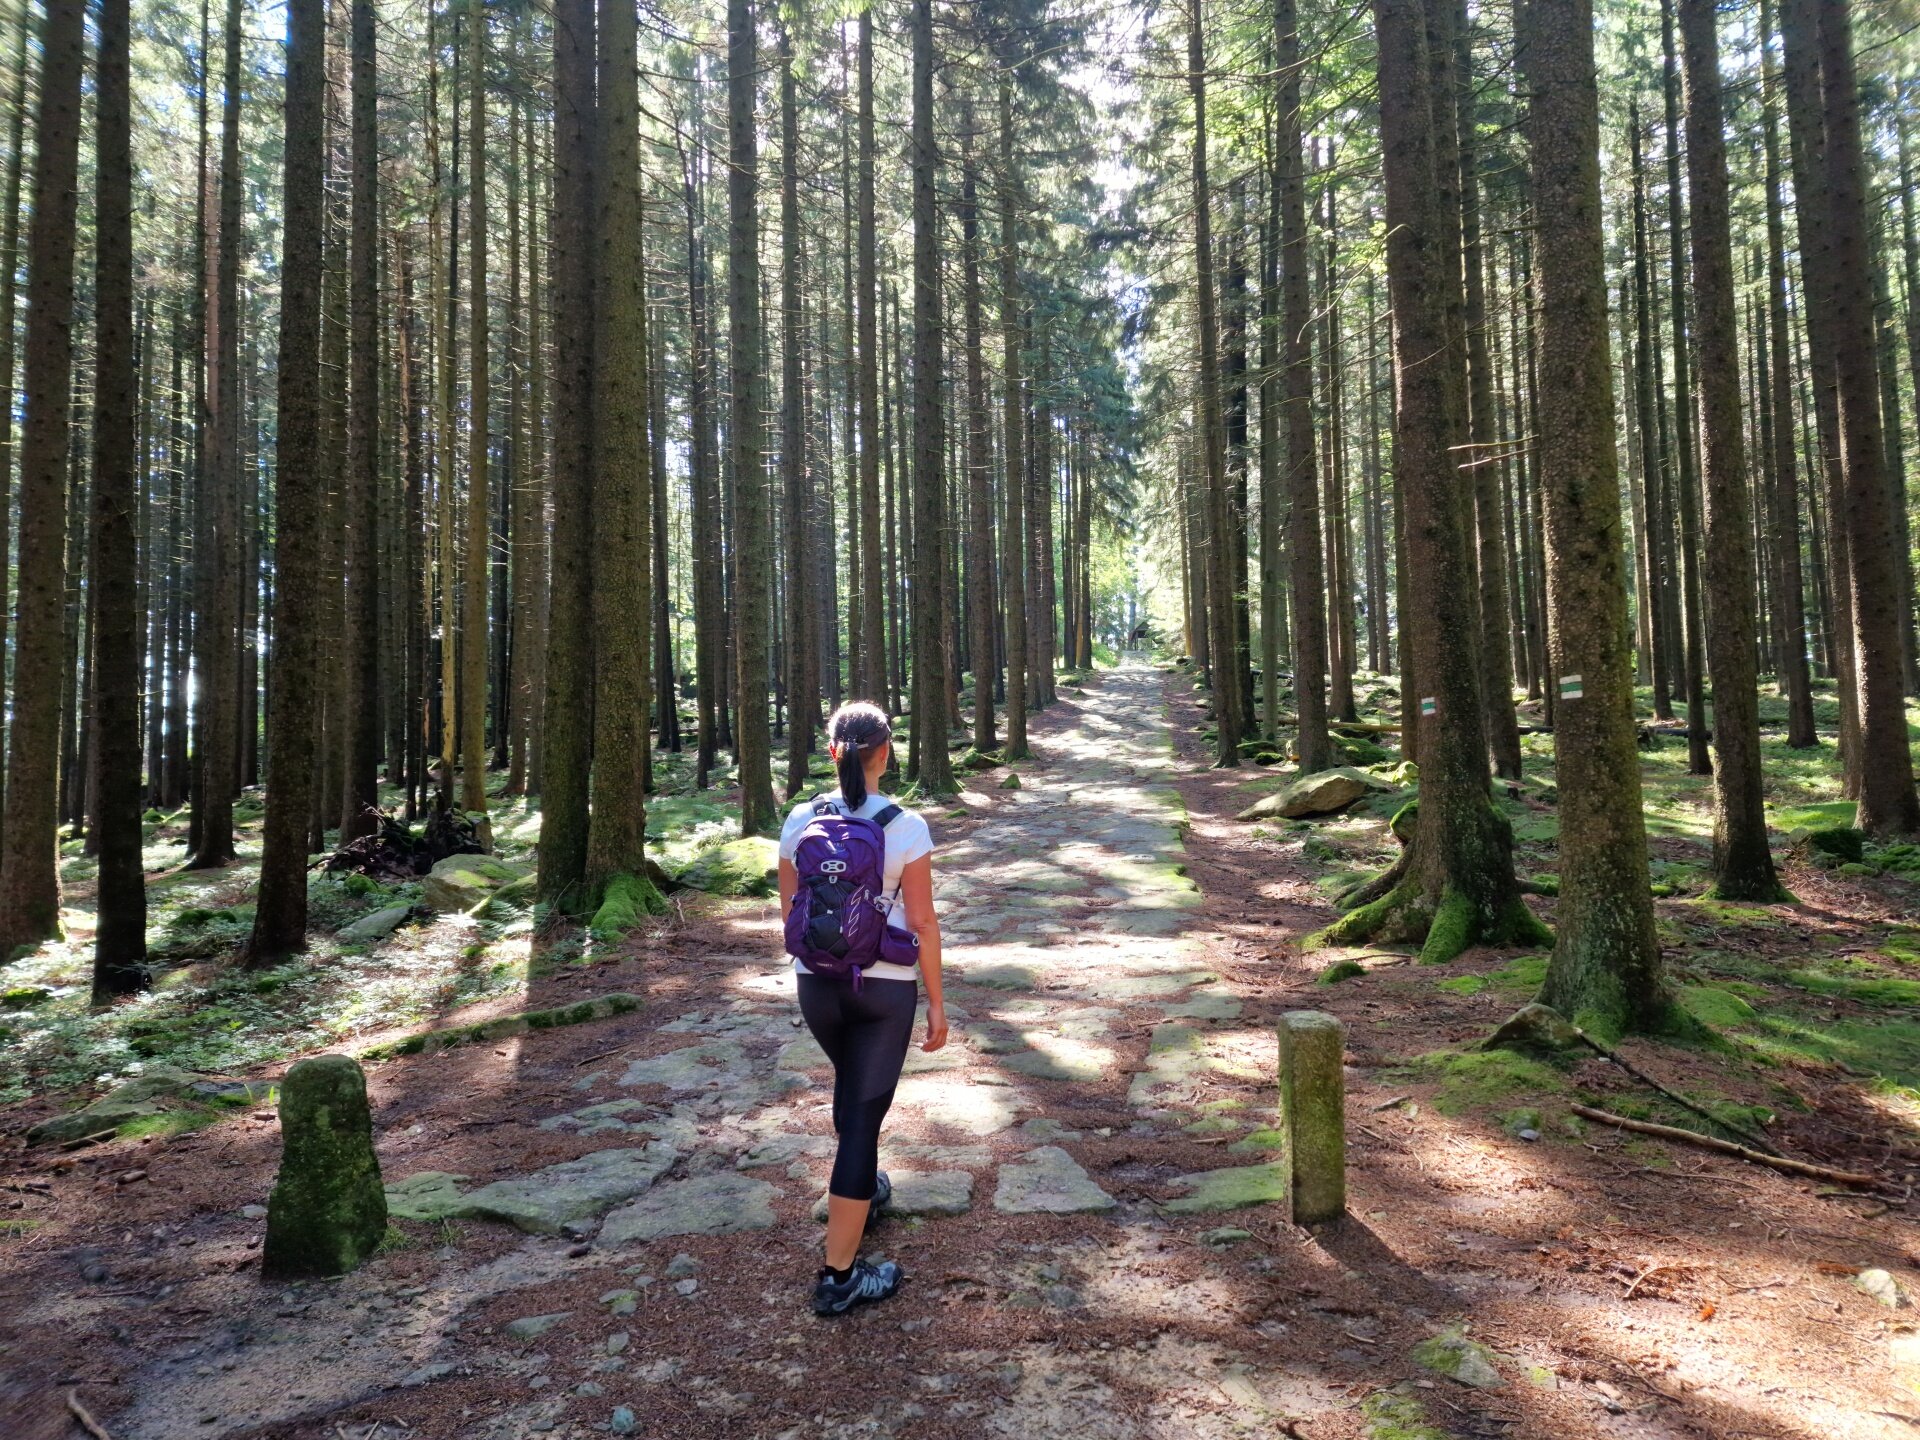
(1049, 1181)
(547, 1199)
(917, 1193)
(692, 1067)
(1181, 1058)
(1061, 1057)
(971, 1109)
(369, 929)
(803, 1053)
(784, 1150)
(609, 1116)
(1206, 1007)
(1230, 1189)
(1007, 975)
(723, 1203)
(429, 1195)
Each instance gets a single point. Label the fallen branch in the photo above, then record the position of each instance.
(1646, 1275)
(1754, 1141)
(87, 1422)
(1727, 1147)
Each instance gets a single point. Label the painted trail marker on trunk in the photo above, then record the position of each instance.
(1428, 705)
(1313, 1113)
(1570, 688)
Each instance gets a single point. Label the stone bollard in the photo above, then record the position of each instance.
(1313, 1113)
(328, 1211)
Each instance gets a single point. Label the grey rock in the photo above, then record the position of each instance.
(1321, 793)
(686, 1287)
(589, 1389)
(1536, 1028)
(1452, 1354)
(940, 1192)
(719, 1204)
(623, 1421)
(460, 883)
(683, 1265)
(621, 1302)
(532, 1327)
(1048, 1181)
(427, 1374)
(547, 1199)
(617, 1341)
(370, 929)
(1881, 1287)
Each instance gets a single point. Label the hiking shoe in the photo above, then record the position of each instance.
(882, 1195)
(865, 1283)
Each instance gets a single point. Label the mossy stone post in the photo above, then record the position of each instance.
(1313, 1113)
(328, 1210)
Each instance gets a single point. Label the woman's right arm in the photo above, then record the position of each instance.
(916, 893)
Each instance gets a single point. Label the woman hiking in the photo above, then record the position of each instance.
(856, 899)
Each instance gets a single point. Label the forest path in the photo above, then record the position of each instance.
(608, 1228)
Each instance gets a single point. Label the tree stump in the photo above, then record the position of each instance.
(328, 1211)
(1313, 1113)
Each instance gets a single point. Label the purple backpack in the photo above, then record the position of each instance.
(837, 924)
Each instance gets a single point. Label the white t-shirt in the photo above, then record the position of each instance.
(908, 838)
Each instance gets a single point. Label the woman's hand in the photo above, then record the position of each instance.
(936, 1027)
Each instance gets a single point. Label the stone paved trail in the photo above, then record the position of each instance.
(1081, 1184)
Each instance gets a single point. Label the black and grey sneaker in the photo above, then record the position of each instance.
(866, 1282)
(882, 1195)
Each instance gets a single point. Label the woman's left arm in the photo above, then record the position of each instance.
(789, 882)
(916, 893)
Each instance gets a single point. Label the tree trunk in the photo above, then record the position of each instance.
(930, 679)
(622, 487)
(1454, 886)
(1013, 442)
(120, 937)
(360, 725)
(280, 917)
(1889, 804)
(1782, 465)
(1307, 578)
(1496, 681)
(753, 561)
(1743, 866)
(982, 606)
(568, 730)
(472, 680)
(9, 269)
(801, 705)
(1686, 472)
(29, 880)
(217, 535)
(1223, 674)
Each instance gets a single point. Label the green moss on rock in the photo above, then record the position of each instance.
(625, 901)
(1340, 970)
(328, 1211)
(429, 1042)
(748, 865)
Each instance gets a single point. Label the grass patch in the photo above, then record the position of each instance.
(1483, 1079)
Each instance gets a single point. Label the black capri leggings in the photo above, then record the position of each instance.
(865, 1033)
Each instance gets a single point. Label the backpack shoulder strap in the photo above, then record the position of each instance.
(887, 816)
(824, 806)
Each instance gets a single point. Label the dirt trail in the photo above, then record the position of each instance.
(1069, 1275)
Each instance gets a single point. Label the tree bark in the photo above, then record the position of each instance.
(753, 561)
(1307, 578)
(120, 936)
(360, 725)
(1454, 886)
(280, 916)
(930, 660)
(568, 731)
(1743, 866)
(1224, 672)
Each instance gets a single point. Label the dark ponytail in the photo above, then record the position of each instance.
(857, 730)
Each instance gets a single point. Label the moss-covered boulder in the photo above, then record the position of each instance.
(328, 1211)
(158, 1091)
(1452, 1354)
(1827, 847)
(461, 882)
(1535, 1030)
(1321, 793)
(749, 865)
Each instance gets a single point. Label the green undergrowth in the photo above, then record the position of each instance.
(1523, 972)
(1476, 1080)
